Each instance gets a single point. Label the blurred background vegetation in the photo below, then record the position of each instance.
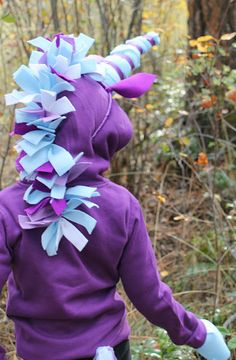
(180, 163)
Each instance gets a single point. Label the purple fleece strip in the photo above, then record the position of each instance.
(37, 185)
(22, 128)
(137, 47)
(150, 39)
(43, 59)
(128, 59)
(58, 36)
(19, 167)
(33, 209)
(58, 205)
(118, 70)
(46, 167)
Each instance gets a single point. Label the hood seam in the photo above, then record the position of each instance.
(105, 117)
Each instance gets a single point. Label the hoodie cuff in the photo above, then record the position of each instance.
(198, 337)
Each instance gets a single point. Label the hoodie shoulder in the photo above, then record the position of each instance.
(12, 205)
(17, 187)
(120, 195)
(11, 198)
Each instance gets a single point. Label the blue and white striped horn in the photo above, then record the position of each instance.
(125, 58)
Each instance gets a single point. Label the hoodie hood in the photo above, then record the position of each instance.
(71, 127)
(98, 127)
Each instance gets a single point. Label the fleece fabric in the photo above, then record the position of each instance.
(67, 305)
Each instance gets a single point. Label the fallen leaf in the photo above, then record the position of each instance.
(184, 140)
(168, 122)
(196, 56)
(231, 95)
(205, 38)
(202, 159)
(183, 154)
(139, 110)
(181, 218)
(164, 273)
(161, 198)
(183, 112)
(228, 36)
(208, 102)
(193, 43)
(8, 18)
(206, 82)
(149, 106)
(203, 43)
(209, 55)
(181, 59)
(203, 47)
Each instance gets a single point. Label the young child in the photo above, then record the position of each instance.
(67, 233)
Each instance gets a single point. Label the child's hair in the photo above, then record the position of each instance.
(50, 165)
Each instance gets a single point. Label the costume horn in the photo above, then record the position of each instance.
(125, 58)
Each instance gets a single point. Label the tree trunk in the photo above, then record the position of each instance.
(213, 17)
(135, 24)
(55, 19)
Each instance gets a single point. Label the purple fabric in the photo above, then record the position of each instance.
(34, 208)
(37, 185)
(19, 167)
(128, 59)
(77, 170)
(43, 59)
(68, 39)
(47, 167)
(58, 205)
(150, 39)
(140, 49)
(67, 78)
(116, 67)
(22, 128)
(65, 306)
(134, 86)
(105, 117)
(58, 36)
(44, 213)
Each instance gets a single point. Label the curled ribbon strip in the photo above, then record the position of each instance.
(59, 226)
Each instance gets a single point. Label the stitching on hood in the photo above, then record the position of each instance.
(105, 117)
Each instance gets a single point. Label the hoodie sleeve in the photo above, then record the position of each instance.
(152, 297)
(5, 265)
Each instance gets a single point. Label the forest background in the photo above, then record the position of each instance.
(180, 163)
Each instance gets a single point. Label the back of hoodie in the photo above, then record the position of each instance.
(65, 306)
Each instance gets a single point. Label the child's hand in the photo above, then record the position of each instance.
(214, 347)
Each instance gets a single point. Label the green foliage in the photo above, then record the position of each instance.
(161, 348)
(146, 348)
(8, 18)
(232, 343)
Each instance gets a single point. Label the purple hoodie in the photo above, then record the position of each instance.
(65, 306)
